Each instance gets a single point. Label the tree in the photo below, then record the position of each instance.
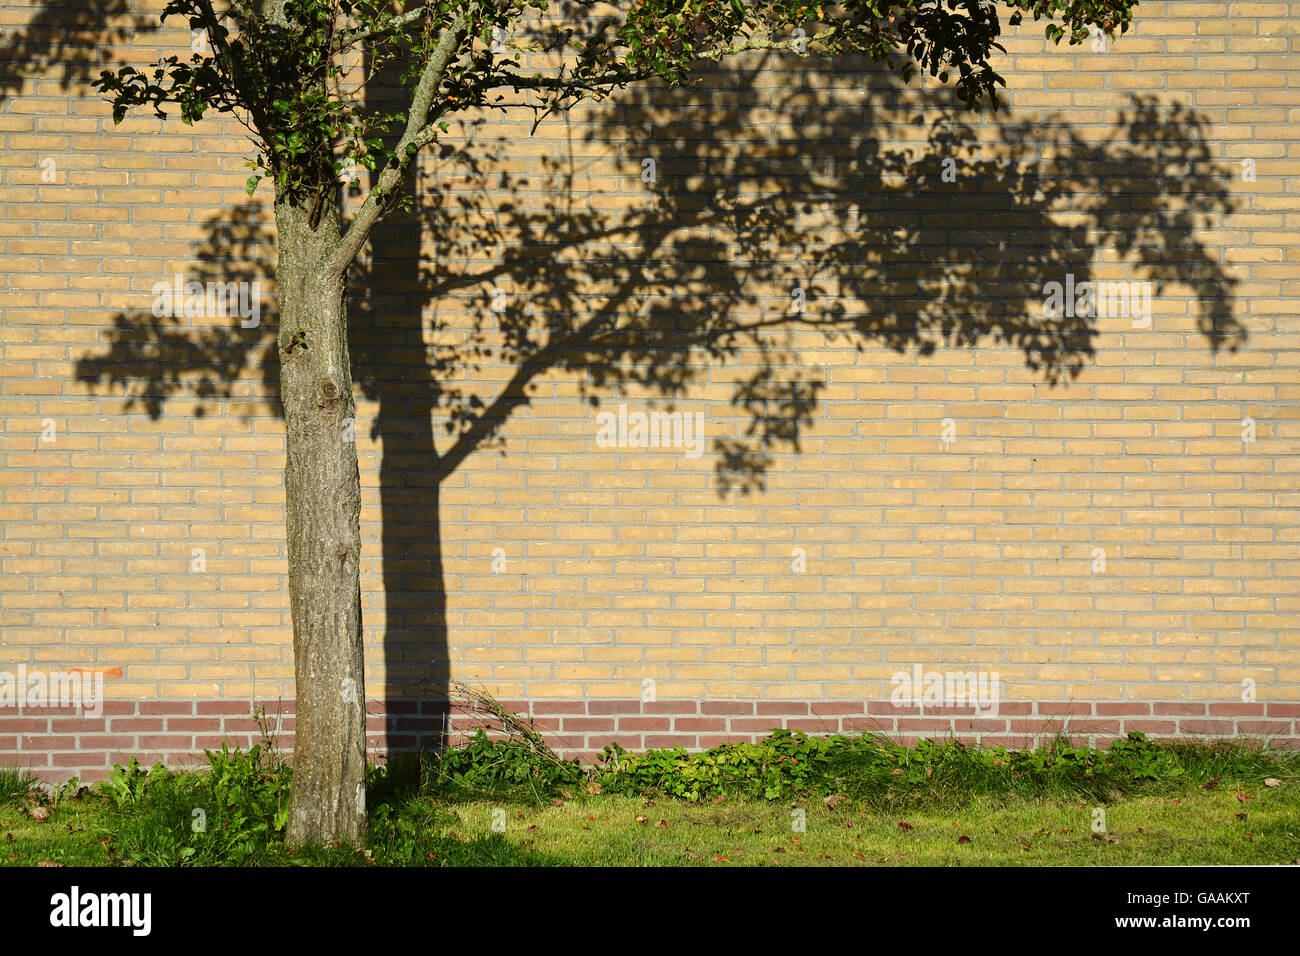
(295, 73)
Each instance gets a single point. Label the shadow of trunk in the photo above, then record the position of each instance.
(410, 478)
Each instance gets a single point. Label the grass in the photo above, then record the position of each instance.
(624, 831)
(15, 783)
(1207, 828)
(840, 802)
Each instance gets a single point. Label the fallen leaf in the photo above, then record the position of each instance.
(39, 814)
(1272, 782)
(1243, 797)
(835, 799)
(963, 839)
(48, 863)
(904, 825)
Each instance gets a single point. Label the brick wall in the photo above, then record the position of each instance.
(1114, 545)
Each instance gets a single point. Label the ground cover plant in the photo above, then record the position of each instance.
(789, 799)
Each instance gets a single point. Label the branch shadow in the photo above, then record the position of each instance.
(691, 276)
(65, 36)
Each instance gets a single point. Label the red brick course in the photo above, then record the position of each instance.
(58, 744)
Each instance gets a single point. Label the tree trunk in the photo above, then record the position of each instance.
(323, 509)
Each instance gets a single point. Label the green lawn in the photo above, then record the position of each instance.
(1197, 816)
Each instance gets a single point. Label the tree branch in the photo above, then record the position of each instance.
(612, 79)
(238, 78)
(417, 134)
(348, 37)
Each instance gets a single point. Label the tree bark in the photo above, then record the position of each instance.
(323, 509)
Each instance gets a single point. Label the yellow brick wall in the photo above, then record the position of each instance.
(948, 503)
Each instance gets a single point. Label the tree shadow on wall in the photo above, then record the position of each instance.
(677, 285)
(65, 38)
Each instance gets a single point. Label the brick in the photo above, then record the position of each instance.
(572, 725)
(835, 708)
(780, 709)
(1123, 709)
(670, 707)
(696, 724)
(1164, 709)
(166, 708)
(1236, 710)
(614, 707)
(644, 723)
(1063, 709)
(182, 724)
(205, 707)
(1211, 727)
